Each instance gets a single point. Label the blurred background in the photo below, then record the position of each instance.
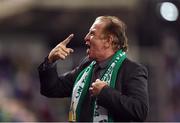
(29, 29)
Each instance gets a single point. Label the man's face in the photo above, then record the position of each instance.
(95, 40)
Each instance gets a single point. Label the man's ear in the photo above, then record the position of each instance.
(109, 41)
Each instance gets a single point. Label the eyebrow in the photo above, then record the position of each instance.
(92, 31)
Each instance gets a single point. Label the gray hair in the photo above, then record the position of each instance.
(117, 28)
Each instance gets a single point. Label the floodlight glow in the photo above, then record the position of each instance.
(169, 11)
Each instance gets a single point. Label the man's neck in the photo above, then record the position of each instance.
(105, 56)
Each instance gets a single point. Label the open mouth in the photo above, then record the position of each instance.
(87, 46)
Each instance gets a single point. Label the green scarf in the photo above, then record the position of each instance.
(81, 86)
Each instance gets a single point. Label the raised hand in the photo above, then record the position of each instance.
(61, 51)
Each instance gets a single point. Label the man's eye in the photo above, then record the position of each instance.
(91, 33)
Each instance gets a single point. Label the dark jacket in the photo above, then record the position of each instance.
(127, 102)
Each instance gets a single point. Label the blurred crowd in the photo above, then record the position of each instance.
(20, 99)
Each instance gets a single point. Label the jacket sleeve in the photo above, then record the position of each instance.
(132, 102)
(54, 85)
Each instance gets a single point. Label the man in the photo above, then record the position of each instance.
(106, 86)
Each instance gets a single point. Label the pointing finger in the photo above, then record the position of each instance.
(67, 40)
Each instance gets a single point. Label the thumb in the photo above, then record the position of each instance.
(70, 50)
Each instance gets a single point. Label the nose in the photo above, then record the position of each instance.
(86, 38)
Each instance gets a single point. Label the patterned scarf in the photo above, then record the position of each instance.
(81, 87)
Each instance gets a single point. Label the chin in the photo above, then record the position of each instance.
(90, 57)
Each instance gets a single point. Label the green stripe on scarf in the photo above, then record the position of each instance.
(83, 80)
